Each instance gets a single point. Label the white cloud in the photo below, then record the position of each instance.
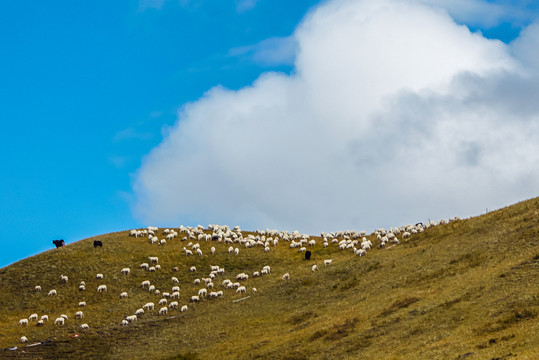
(394, 114)
(269, 52)
(245, 5)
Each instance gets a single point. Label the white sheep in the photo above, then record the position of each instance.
(45, 317)
(175, 288)
(153, 259)
(202, 292)
(59, 321)
(196, 281)
(175, 295)
(64, 278)
(99, 276)
(84, 326)
(24, 339)
(39, 323)
(126, 271)
(123, 295)
(82, 303)
(23, 322)
(124, 322)
(328, 262)
(163, 310)
(199, 252)
(175, 280)
(102, 288)
(52, 293)
(241, 289)
(173, 305)
(230, 249)
(361, 252)
(37, 288)
(183, 308)
(82, 287)
(149, 306)
(166, 294)
(144, 266)
(162, 302)
(286, 276)
(131, 318)
(194, 298)
(79, 315)
(32, 317)
(314, 268)
(254, 290)
(236, 251)
(145, 283)
(192, 269)
(64, 316)
(212, 250)
(157, 267)
(139, 312)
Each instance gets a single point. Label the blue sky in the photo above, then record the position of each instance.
(88, 89)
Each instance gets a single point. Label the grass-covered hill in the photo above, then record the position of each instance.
(464, 290)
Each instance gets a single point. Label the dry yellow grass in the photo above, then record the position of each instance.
(465, 290)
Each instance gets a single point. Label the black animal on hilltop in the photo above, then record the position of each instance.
(59, 243)
(98, 243)
(307, 255)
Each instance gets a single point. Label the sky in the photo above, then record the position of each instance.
(308, 115)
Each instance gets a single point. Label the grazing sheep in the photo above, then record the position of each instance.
(79, 315)
(84, 326)
(175, 280)
(173, 305)
(166, 294)
(175, 288)
(314, 268)
(32, 317)
(183, 308)
(149, 306)
(99, 276)
(82, 303)
(126, 271)
(145, 283)
(212, 250)
(163, 310)
(45, 317)
(64, 316)
(59, 321)
(328, 262)
(102, 288)
(153, 259)
(236, 251)
(37, 288)
(144, 266)
(194, 298)
(157, 267)
(52, 293)
(241, 289)
(24, 339)
(139, 312)
(162, 302)
(199, 252)
(82, 287)
(192, 269)
(254, 290)
(202, 293)
(123, 295)
(23, 322)
(131, 318)
(361, 252)
(151, 269)
(124, 323)
(175, 295)
(196, 281)
(230, 249)
(157, 292)
(64, 278)
(39, 323)
(286, 277)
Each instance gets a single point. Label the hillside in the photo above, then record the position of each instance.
(468, 289)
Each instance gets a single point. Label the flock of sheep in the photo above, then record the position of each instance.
(232, 240)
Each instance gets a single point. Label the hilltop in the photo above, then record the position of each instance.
(467, 289)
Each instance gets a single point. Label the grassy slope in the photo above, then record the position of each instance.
(468, 289)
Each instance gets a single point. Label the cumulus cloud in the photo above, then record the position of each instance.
(394, 114)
